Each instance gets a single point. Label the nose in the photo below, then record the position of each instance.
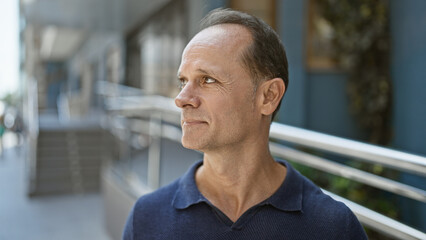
(188, 97)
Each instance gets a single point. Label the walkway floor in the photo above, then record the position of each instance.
(59, 217)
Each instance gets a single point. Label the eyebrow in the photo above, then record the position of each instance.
(214, 74)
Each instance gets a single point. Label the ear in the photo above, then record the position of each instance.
(271, 93)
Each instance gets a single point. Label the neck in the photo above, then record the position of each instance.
(235, 180)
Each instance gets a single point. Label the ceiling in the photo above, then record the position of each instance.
(98, 15)
(65, 24)
(59, 44)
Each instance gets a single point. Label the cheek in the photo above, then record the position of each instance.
(234, 107)
(232, 113)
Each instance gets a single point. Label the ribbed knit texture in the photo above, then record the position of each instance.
(298, 210)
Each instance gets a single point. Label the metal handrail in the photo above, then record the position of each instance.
(170, 132)
(348, 172)
(109, 89)
(173, 133)
(134, 105)
(362, 151)
(138, 106)
(379, 222)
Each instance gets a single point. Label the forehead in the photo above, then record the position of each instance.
(225, 36)
(220, 43)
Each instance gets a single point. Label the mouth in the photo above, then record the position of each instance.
(192, 122)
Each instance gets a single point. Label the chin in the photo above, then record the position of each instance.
(191, 144)
(194, 141)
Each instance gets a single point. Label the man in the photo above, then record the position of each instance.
(233, 75)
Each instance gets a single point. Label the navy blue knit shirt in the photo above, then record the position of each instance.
(297, 210)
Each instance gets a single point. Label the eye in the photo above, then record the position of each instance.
(182, 83)
(209, 80)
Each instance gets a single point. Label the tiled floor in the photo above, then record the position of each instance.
(59, 217)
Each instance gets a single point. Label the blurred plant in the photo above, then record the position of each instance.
(361, 45)
(11, 99)
(370, 197)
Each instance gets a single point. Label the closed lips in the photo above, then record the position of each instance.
(192, 122)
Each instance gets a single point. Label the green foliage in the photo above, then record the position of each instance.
(361, 43)
(11, 99)
(370, 197)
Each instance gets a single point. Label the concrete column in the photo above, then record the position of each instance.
(291, 25)
(408, 36)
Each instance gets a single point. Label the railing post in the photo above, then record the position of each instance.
(31, 116)
(154, 152)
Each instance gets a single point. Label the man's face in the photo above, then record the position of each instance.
(217, 96)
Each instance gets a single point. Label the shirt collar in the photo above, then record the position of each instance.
(288, 197)
(187, 193)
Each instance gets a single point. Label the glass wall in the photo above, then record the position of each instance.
(154, 51)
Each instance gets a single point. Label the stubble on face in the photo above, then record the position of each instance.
(224, 115)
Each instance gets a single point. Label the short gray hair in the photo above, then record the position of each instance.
(265, 58)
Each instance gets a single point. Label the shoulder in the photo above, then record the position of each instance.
(315, 200)
(326, 212)
(162, 197)
(148, 209)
